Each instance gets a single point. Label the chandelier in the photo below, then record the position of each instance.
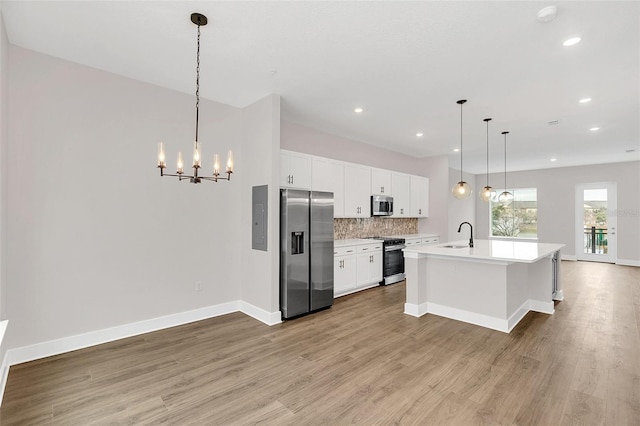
(199, 20)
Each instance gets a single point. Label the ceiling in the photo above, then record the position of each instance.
(405, 63)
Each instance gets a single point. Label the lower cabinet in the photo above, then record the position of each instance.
(356, 267)
(344, 273)
(369, 268)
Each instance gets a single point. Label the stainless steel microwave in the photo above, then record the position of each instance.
(381, 205)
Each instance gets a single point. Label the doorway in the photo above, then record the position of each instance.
(596, 222)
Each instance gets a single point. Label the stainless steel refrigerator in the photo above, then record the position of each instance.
(306, 251)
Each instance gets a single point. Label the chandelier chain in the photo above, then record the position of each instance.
(197, 83)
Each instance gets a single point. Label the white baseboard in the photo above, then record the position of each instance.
(499, 324)
(558, 295)
(515, 318)
(269, 318)
(415, 310)
(543, 307)
(470, 317)
(4, 375)
(4, 366)
(571, 257)
(85, 340)
(628, 262)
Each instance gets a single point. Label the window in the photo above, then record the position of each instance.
(518, 219)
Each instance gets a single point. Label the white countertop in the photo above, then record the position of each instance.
(354, 242)
(496, 250)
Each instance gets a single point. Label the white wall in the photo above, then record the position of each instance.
(260, 269)
(96, 238)
(461, 210)
(4, 142)
(299, 138)
(556, 202)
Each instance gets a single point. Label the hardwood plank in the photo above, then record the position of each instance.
(362, 361)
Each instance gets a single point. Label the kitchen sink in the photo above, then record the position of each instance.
(453, 246)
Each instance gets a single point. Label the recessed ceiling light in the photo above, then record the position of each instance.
(358, 110)
(456, 149)
(419, 134)
(593, 129)
(553, 159)
(584, 100)
(571, 41)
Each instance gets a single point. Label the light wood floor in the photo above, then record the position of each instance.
(362, 361)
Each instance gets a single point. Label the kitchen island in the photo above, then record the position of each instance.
(494, 284)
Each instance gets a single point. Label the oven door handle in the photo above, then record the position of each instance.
(393, 248)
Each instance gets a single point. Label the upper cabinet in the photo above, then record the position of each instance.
(381, 182)
(357, 190)
(353, 184)
(328, 175)
(401, 190)
(419, 196)
(295, 170)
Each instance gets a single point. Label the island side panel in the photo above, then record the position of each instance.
(415, 267)
(517, 293)
(470, 291)
(540, 285)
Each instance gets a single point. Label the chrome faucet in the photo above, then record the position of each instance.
(471, 237)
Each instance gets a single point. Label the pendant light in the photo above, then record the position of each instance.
(199, 20)
(505, 197)
(461, 190)
(487, 192)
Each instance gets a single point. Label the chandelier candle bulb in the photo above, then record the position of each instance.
(196, 155)
(161, 158)
(229, 162)
(216, 165)
(180, 164)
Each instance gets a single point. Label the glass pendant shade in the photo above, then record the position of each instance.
(505, 198)
(461, 190)
(487, 193)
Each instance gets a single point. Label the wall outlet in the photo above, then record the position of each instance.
(198, 285)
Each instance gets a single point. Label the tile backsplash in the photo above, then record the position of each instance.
(372, 227)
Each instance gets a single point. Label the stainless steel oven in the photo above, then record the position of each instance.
(392, 260)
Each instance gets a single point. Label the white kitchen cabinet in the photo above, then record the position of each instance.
(401, 190)
(356, 267)
(295, 170)
(381, 182)
(419, 196)
(328, 175)
(369, 261)
(344, 273)
(357, 190)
